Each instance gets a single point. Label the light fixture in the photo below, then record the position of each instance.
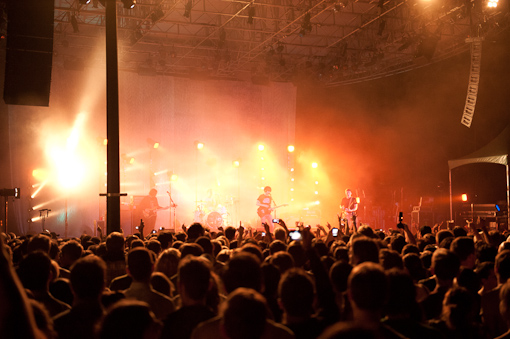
(251, 14)
(199, 145)
(129, 3)
(290, 148)
(84, 2)
(261, 147)
(152, 143)
(236, 163)
(464, 197)
(314, 165)
(492, 3)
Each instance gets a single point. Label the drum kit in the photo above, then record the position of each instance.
(213, 215)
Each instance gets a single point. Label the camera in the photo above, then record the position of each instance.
(400, 218)
(295, 235)
(263, 234)
(276, 221)
(334, 232)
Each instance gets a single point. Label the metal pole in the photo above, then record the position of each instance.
(451, 202)
(112, 120)
(507, 196)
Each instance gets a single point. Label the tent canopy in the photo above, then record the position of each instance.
(495, 152)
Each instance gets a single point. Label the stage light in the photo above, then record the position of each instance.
(492, 3)
(498, 208)
(316, 182)
(200, 145)
(132, 161)
(291, 179)
(262, 178)
(314, 165)
(317, 202)
(292, 189)
(105, 141)
(236, 163)
(358, 200)
(262, 169)
(261, 147)
(464, 197)
(316, 192)
(40, 174)
(290, 148)
(129, 3)
(152, 143)
(292, 199)
(38, 190)
(174, 177)
(84, 2)
(292, 169)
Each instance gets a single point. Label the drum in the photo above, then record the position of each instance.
(214, 220)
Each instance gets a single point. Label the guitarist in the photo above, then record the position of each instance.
(264, 201)
(349, 207)
(149, 207)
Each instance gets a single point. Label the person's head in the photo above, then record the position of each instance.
(168, 261)
(390, 259)
(230, 233)
(425, 230)
(367, 287)
(280, 234)
(282, 260)
(206, 244)
(267, 190)
(296, 293)
(192, 248)
(195, 231)
(153, 192)
(277, 246)
(243, 270)
(459, 231)
(445, 264)
(130, 319)
(35, 271)
(154, 246)
(502, 266)
(338, 274)
(348, 193)
(401, 295)
(364, 249)
(504, 301)
(70, 252)
(464, 248)
(140, 264)
(397, 243)
(443, 234)
(39, 242)
(459, 309)
(194, 277)
(414, 266)
(244, 314)
(297, 251)
(115, 243)
(165, 238)
(88, 278)
(366, 231)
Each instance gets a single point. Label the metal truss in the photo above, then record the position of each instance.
(327, 41)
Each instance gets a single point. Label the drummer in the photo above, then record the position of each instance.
(210, 201)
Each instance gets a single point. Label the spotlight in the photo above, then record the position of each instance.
(152, 143)
(129, 3)
(174, 177)
(105, 142)
(199, 145)
(290, 148)
(492, 3)
(236, 163)
(464, 197)
(261, 147)
(84, 2)
(314, 165)
(358, 200)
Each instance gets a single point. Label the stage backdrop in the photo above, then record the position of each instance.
(61, 148)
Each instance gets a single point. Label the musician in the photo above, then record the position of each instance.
(148, 208)
(349, 206)
(264, 201)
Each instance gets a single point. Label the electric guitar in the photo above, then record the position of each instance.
(261, 211)
(152, 212)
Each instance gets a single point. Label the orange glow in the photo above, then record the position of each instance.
(261, 147)
(290, 148)
(314, 165)
(464, 197)
(236, 163)
(200, 145)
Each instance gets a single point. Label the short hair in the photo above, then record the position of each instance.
(296, 291)
(88, 277)
(445, 264)
(297, 251)
(338, 274)
(280, 233)
(267, 189)
(401, 294)
(244, 314)
(502, 266)
(443, 234)
(459, 231)
(230, 233)
(243, 270)
(413, 264)
(115, 242)
(161, 283)
(206, 244)
(165, 238)
(367, 286)
(140, 263)
(73, 249)
(34, 270)
(39, 242)
(365, 249)
(276, 246)
(191, 249)
(463, 247)
(195, 230)
(397, 243)
(127, 318)
(390, 259)
(366, 231)
(168, 261)
(253, 249)
(425, 230)
(504, 297)
(195, 275)
(282, 260)
(154, 245)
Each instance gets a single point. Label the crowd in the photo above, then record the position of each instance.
(426, 282)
